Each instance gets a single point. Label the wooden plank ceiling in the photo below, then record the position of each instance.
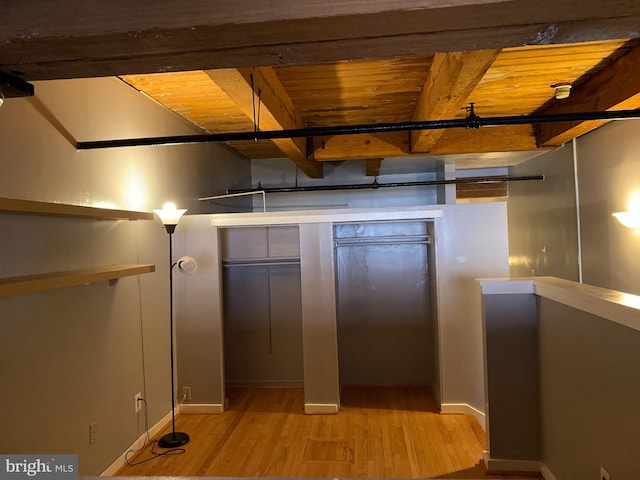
(604, 75)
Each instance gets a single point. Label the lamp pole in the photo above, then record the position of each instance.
(170, 217)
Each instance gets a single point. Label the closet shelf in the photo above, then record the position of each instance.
(49, 281)
(32, 207)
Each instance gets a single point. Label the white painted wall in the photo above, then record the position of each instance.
(283, 173)
(471, 242)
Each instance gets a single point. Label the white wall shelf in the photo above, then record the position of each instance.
(49, 281)
(31, 207)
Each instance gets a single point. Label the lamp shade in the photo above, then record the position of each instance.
(628, 219)
(169, 215)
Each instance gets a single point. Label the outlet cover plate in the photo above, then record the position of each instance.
(93, 432)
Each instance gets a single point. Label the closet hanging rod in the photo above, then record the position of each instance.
(275, 264)
(260, 263)
(382, 240)
(368, 244)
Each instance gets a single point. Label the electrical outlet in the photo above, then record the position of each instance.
(604, 475)
(186, 394)
(138, 399)
(93, 432)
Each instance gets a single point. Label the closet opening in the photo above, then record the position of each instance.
(386, 322)
(262, 308)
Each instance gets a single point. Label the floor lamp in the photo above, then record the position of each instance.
(170, 216)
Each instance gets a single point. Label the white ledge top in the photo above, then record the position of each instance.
(619, 307)
(323, 216)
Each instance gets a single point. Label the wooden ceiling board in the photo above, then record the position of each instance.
(194, 96)
(519, 82)
(615, 87)
(355, 92)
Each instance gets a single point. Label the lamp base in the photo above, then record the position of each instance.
(173, 440)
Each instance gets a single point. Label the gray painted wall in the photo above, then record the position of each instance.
(511, 356)
(75, 356)
(588, 365)
(543, 234)
(608, 171)
(542, 214)
(198, 333)
(590, 386)
(561, 388)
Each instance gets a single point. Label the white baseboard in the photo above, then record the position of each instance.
(119, 462)
(201, 408)
(467, 410)
(321, 408)
(503, 465)
(510, 465)
(546, 473)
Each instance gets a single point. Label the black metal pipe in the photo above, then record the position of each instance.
(470, 122)
(374, 185)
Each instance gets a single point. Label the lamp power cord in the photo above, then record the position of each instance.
(149, 443)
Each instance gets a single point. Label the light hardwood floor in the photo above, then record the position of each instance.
(379, 433)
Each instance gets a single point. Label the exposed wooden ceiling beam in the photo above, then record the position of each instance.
(510, 138)
(121, 37)
(372, 167)
(616, 87)
(446, 90)
(260, 95)
(361, 146)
